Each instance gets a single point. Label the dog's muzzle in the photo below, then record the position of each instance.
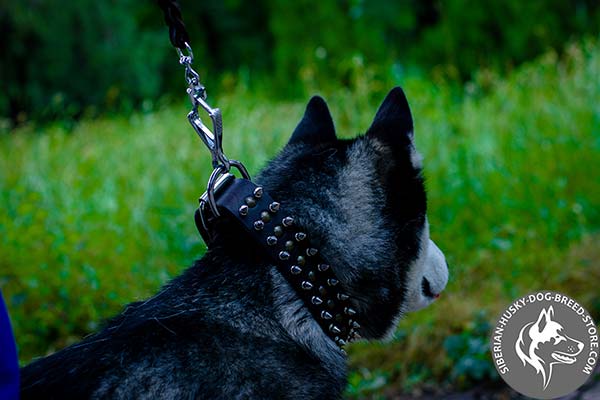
(427, 286)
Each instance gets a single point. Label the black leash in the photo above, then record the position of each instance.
(177, 32)
(256, 212)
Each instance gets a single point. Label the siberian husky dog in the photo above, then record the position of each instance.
(231, 327)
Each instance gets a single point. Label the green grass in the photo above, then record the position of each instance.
(101, 215)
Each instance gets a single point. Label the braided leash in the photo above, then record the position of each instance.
(177, 32)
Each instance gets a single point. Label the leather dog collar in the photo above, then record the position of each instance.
(288, 247)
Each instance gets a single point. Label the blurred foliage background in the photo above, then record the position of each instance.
(100, 172)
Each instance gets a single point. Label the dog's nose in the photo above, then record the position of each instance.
(426, 289)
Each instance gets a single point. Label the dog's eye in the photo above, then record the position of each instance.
(557, 339)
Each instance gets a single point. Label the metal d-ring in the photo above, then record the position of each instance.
(213, 183)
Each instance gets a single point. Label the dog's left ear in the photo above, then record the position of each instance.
(316, 126)
(393, 124)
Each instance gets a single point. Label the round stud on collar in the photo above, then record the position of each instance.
(300, 236)
(284, 255)
(349, 311)
(322, 290)
(289, 245)
(311, 251)
(271, 240)
(341, 342)
(332, 282)
(278, 231)
(326, 315)
(342, 296)
(316, 301)
(287, 221)
(258, 192)
(243, 210)
(334, 329)
(274, 207)
(250, 201)
(301, 260)
(312, 276)
(330, 303)
(265, 216)
(259, 225)
(295, 270)
(306, 285)
(323, 267)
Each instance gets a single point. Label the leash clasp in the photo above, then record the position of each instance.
(213, 139)
(197, 92)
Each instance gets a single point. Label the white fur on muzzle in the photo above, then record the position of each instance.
(428, 276)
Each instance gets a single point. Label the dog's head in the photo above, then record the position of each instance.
(363, 203)
(548, 340)
(544, 343)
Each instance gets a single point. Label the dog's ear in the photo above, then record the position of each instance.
(544, 318)
(316, 126)
(393, 124)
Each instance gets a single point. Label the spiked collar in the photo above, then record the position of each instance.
(288, 247)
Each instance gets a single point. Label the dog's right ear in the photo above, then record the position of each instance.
(316, 126)
(393, 123)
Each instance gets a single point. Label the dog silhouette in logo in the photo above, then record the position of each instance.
(544, 343)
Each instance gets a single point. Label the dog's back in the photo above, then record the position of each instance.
(209, 334)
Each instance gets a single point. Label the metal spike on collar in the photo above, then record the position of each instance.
(326, 315)
(274, 207)
(243, 210)
(332, 282)
(355, 335)
(259, 225)
(341, 342)
(355, 325)
(284, 255)
(258, 192)
(271, 240)
(300, 236)
(295, 270)
(316, 301)
(342, 296)
(306, 285)
(287, 221)
(349, 311)
(323, 267)
(334, 329)
(311, 252)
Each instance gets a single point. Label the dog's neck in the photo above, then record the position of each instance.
(264, 223)
(300, 325)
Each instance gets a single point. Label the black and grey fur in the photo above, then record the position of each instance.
(231, 327)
